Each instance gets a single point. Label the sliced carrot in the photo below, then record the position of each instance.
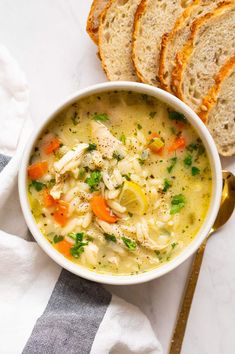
(153, 135)
(180, 125)
(52, 146)
(61, 212)
(64, 248)
(37, 170)
(152, 146)
(101, 210)
(179, 143)
(48, 200)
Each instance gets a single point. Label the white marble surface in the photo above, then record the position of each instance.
(48, 39)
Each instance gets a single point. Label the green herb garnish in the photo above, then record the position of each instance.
(152, 114)
(81, 173)
(167, 185)
(195, 171)
(91, 147)
(37, 185)
(196, 147)
(75, 118)
(51, 183)
(129, 243)
(102, 117)
(94, 180)
(177, 116)
(57, 238)
(123, 139)
(173, 163)
(117, 156)
(139, 126)
(143, 157)
(177, 203)
(174, 244)
(127, 177)
(76, 236)
(109, 237)
(188, 160)
(78, 247)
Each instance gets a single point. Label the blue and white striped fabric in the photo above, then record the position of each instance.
(44, 309)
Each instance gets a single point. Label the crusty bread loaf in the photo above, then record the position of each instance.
(174, 41)
(115, 39)
(211, 44)
(153, 18)
(218, 109)
(93, 20)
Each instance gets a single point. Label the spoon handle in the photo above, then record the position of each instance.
(182, 319)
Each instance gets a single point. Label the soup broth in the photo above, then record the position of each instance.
(119, 183)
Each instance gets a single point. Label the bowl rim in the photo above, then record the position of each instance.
(215, 163)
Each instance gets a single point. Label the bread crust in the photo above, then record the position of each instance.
(91, 29)
(166, 40)
(139, 13)
(211, 98)
(100, 52)
(183, 56)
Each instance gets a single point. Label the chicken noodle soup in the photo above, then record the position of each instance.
(119, 183)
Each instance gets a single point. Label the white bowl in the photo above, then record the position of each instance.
(214, 205)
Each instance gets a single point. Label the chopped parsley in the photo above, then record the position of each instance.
(102, 117)
(174, 244)
(192, 147)
(109, 237)
(123, 139)
(51, 183)
(177, 203)
(188, 160)
(143, 157)
(78, 247)
(94, 180)
(167, 185)
(177, 116)
(117, 156)
(139, 126)
(173, 163)
(152, 114)
(81, 173)
(195, 171)
(127, 177)
(91, 147)
(75, 118)
(57, 238)
(141, 162)
(197, 146)
(37, 185)
(76, 236)
(129, 243)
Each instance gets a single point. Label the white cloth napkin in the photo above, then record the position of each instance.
(36, 296)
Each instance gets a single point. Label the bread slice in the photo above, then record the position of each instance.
(211, 44)
(115, 39)
(93, 19)
(218, 109)
(174, 41)
(153, 18)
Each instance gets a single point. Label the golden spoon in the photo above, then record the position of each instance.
(226, 209)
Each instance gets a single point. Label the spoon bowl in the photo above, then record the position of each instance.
(227, 201)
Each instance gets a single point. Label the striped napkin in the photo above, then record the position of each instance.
(44, 309)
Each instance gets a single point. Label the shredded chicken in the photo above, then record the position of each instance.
(71, 159)
(106, 142)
